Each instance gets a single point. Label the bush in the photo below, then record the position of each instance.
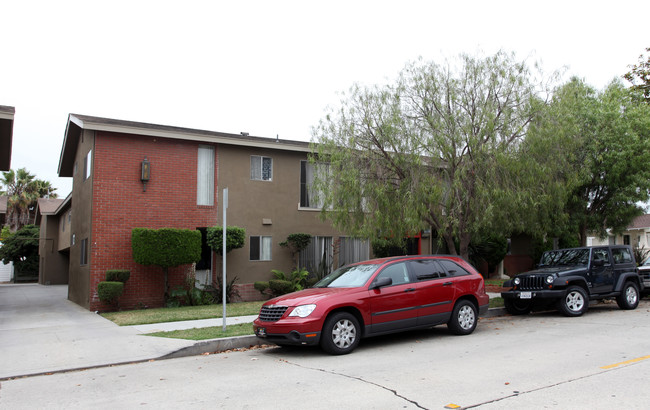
(117, 275)
(280, 287)
(109, 292)
(235, 238)
(217, 291)
(262, 287)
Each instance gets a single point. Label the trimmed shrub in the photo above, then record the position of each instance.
(118, 275)
(235, 238)
(109, 292)
(261, 287)
(280, 287)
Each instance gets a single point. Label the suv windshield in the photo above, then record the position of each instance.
(348, 276)
(565, 257)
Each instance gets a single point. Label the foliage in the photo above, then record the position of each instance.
(640, 254)
(21, 248)
(166, 247)
(118, 275)
(280, 287)
(5, 233)
(296, 242)
(109, 292)
(23, 191)
(437, 149)
(235, 238)
(298, 277)
(490, 248)
(384, 247)
(232, 293)
(602, 156)
(639, 75)
(262, 287)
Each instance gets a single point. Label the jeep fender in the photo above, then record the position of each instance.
(632, 276)
(564, 281)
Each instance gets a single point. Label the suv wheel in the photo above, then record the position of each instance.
(629, 297)
(574, 302)
(517, 306)
(463, 318)
(341, 333)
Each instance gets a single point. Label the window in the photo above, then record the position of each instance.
(626, 239)
(353, 250)
(88, 164)
(261, 168)
(621, 255)
(260, 248)
(397, 272)
(452, 268)
(317, 256)
(205, 176)
(425, 269)
(84, 252)
(310, 197)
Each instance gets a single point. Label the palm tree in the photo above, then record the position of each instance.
(23, 191)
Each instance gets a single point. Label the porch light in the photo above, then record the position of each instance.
(146, 173)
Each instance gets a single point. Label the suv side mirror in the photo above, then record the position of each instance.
(599, 262)
(381, 282)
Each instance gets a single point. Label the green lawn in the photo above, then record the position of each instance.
(205, 333)
(148, 316)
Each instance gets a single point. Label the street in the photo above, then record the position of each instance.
(599, 360)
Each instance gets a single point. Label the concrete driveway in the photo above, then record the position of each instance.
(41, 331)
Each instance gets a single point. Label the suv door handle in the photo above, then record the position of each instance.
(409, 290)
(447, 283)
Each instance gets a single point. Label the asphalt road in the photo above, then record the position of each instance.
(544, 360)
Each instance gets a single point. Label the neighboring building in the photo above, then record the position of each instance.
(3, 209)
(637, 235)
(53, 218)
(269, 195)
(6, 136)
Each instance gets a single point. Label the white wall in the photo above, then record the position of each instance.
(6, 272)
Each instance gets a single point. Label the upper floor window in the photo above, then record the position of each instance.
(205, 176)
(260, 248)
(261, 168)
(88, 160)
(310, 196)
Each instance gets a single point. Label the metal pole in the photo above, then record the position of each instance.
(223, 250)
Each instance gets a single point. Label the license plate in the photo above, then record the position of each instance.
(525, 295)
(261, 332)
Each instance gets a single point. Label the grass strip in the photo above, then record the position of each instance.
(496, 302)
(161, 315)
(205, 333)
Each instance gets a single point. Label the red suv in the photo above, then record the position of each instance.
(376, 297)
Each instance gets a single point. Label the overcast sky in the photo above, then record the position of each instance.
(268, 67)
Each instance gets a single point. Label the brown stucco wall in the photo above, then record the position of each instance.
(250, 202)
(82, 191)
(53, 266)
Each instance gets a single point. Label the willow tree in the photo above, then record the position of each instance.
(438, 149)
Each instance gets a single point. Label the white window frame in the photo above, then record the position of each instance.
(264, 248)
(257, 168)
(88, 163)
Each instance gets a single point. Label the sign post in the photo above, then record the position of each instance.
(223, 250)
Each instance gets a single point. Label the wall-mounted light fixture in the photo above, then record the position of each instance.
(146, 173)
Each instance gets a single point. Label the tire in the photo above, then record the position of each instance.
(574, 303)
(517, 306)
(629, 297)
(464, 318)
(341, 333)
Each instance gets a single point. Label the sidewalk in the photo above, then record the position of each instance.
(42, 332)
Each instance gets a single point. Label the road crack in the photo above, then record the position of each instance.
(413, 402)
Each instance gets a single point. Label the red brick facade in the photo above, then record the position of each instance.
(119, 204)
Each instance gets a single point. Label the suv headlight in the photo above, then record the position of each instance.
(516, 281)
(302, 311)
(549, 279)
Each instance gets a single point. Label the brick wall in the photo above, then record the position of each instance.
(119, 204)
